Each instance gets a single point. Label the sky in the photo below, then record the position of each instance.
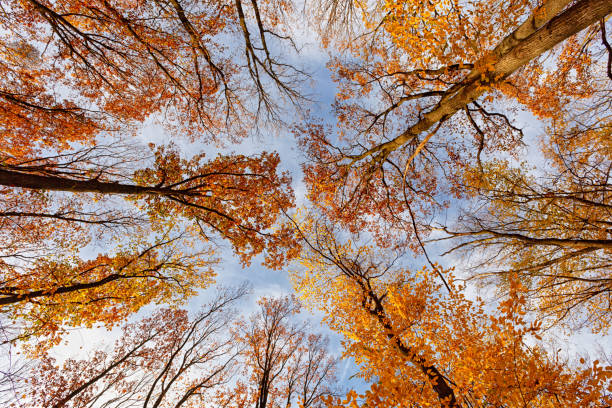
(265, 282)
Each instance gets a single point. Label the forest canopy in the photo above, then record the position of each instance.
(427, 182)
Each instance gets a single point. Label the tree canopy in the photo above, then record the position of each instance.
(148, 144)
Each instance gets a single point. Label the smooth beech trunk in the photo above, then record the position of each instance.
(530, 40)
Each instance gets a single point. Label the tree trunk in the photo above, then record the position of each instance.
(511, 54)
(12, 178)
(438, 382)
(21, 297)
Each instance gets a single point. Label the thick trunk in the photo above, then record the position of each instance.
(13, 178)
(536, 21)
(39, 182)
(512, 53)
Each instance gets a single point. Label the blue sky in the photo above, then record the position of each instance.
(267, 282)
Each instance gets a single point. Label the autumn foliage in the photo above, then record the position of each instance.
(467, 151)
(166, 358)
(416, 344)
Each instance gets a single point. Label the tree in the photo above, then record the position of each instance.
(420, 346)
(283, 364)
(237, 196)
(551, 230)
(172, 360)
(51, 295)
(418, 102)
(74, 74)
(175, 200)
(115, 64)
(167, 359)
(419, 112)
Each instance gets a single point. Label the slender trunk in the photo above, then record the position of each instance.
(262, 400)
(21, 297)
(559, 242)
(438, 381)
